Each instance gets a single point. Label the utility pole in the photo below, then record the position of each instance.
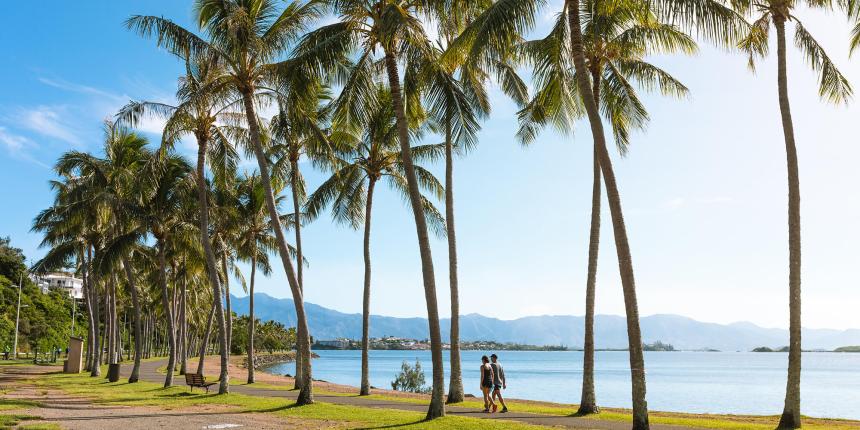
(17, 317)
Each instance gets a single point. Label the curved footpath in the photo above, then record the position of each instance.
(149, 372)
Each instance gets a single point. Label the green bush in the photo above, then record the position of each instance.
(410, 379)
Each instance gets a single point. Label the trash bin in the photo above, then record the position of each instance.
(113, 372)
(65, 366)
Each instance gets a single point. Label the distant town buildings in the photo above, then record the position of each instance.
(334, 344)
(63, 282)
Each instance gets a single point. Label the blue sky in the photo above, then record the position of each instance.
(704, 188)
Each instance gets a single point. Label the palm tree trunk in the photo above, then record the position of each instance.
(168, 314)
(111, 332)
(306, 392)
(437, 399)
(588, 402)
(790, 418)
(204, 344)
(95, 371)
(365, 309)
(183, 327)
(229, 310)
(135, 304)
(297, 224)
(455, 388)
(622, 245)
(211, 267)
(86, 288)
(251, 321)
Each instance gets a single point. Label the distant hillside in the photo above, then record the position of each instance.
(610, 330)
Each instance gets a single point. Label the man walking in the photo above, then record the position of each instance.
(499, 382)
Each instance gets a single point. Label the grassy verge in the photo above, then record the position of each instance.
(726, 422)
(150, 394)
(8, 421)
(722, 422)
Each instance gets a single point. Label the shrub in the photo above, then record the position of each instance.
(410, 379)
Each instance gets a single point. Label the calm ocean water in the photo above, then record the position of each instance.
(703, 382)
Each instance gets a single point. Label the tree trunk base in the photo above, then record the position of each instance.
(305, 397)
(641, 423)
(455, 395)
(588, 409)
(788, 421)
(435, 411)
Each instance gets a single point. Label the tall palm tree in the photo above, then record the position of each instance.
(834, 87)
(490, 36)
(395, 28)
(107, 186)
(254, 243)
(248, 37)
(162, 212)
(457, 99)
(297, 131)
(370, 153)
(616, 40)
(207, 116)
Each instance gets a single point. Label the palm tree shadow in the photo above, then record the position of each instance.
(392, 426)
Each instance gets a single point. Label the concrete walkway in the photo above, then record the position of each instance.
(149, 372)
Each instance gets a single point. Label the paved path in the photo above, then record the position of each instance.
(79, 412)
(149, 372)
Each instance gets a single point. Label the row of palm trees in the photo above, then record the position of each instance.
(353, 97)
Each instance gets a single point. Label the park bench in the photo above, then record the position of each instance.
(197, 380)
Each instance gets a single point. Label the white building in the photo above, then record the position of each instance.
(62, 281)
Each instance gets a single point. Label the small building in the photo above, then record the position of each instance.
(61, 281)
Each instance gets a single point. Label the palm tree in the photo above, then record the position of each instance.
(254, 243)
(226, 223)
(246, 37)
(370, 153)
(298, 131)
(615, 41)
(71, 232)
(206, 115)
(162, 213)
(457, 99)
(835, 88)
(491, 36)
(394, 27)
(106, 187)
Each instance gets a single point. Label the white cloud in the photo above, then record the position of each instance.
(50, 121)
(12, 142)
(83, 89)
(17, 146)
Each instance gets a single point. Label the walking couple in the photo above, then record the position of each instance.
(492, 383)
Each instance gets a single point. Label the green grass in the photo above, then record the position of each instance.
(357, 417)
(150, 394)
(8, 421)
(722, 422)
(39, 426)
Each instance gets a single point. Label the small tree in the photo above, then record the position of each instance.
(410, 379)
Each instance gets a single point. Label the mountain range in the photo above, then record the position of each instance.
(610, 330)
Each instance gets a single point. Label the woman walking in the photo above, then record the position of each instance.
(487, 377)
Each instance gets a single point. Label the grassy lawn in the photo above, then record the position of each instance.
(725, 422)
(151, 394)
(728, 422)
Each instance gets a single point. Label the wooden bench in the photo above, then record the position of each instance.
(197, 380)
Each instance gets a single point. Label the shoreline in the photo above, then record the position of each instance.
(276, 381)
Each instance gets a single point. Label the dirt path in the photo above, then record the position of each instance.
(72, 412)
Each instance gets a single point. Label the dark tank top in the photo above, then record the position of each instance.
(488, 376)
